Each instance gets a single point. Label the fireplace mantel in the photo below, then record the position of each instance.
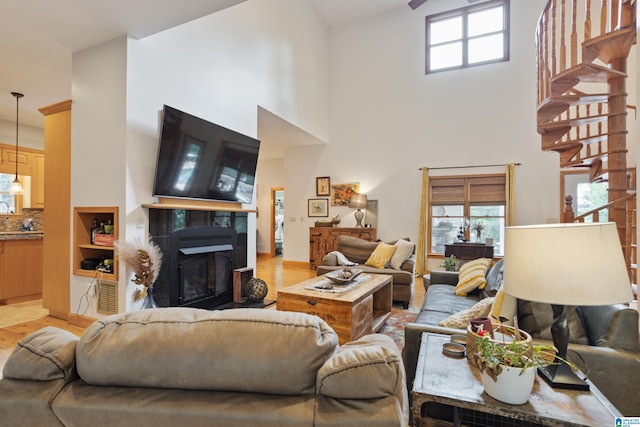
(197, 205)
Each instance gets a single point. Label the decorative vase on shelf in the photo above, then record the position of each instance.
(148, 301)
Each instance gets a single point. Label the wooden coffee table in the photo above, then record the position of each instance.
(360, 310)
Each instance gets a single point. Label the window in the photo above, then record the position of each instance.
(458, 204)
(466, 37)
(592, 195)
(13, 203)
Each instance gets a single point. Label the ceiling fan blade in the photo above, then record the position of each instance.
(414, 4)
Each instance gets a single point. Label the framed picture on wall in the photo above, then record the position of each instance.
(323, 186)
(341, 193)
(318, 207)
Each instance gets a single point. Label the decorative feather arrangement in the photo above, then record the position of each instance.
(145, 259)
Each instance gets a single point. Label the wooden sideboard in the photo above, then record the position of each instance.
(323, 240)
(467, 251)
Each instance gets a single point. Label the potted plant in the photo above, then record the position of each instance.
(450, 263)
(508, 369)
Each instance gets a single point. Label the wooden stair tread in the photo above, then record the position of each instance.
(609, 46)
(582, 73)
(570, 143)
(585, 161)
(562, 146)
(553, 106)
(573, 122)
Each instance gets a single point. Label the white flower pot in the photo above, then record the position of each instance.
(511, 387)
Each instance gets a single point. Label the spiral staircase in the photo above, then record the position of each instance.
(582, 114)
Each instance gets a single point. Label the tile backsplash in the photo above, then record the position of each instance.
(14, 223)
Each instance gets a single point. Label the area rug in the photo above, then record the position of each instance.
(394, 326)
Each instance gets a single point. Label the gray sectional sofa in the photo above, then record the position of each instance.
(191, 367)
(606, 337)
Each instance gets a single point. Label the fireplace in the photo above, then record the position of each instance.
(202, 266)
(201, 249)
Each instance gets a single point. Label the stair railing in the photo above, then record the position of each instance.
(562, 28)
(627, 236)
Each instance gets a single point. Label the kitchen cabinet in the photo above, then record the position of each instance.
(323, 240)
(9, 160)
(37, 181)
(20, 270)
(30, 164)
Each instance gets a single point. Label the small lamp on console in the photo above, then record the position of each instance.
(359, 202)
(565, 264)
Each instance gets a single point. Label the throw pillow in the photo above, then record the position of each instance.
(461, 319)
(381, 255)
(504, 306)
(403, 251)
(472, 276)
(537, 318)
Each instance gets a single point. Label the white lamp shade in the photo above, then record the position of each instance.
(566, 264)
(358, 201)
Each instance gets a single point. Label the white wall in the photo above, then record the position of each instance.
(221, 67)
(387, 119)
(98, 142)
(29, 136)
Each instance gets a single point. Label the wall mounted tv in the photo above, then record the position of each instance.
(198, 159)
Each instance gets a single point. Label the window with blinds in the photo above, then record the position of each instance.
(470, 208)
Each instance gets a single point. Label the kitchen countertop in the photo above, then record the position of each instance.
(21, 235)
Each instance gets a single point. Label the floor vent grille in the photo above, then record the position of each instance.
(107, 297)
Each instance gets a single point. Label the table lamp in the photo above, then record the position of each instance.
(565, 264)
(358, 201)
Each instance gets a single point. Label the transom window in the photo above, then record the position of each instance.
(466, 37)
(460, 204)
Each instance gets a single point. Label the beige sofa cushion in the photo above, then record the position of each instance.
(355, 249)
(264, 351)
(368, 368)
(45, 355)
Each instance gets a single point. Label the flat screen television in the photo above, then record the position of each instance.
(200, 160)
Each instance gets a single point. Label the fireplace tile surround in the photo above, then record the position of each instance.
(164, 222)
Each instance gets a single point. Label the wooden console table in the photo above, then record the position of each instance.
(323, 240)
(447, 392)
(468, 251)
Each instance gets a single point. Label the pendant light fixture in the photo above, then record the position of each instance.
(16, 186)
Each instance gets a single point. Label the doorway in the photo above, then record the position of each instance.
(586, 195)
(277, 221)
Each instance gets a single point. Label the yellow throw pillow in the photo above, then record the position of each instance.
(472, 276)
(381, 255)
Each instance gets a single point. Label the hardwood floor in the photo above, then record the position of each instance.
(19, 320)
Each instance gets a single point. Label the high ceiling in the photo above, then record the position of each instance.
(37, 38)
